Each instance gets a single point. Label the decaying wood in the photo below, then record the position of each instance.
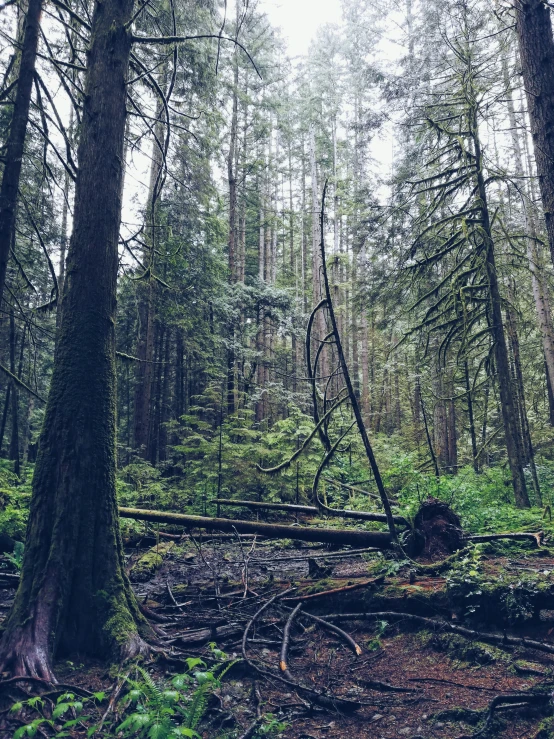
(312, 510)
(500, 640)
(334, 591)
(335, 629)
(326, 701)
(353, 537)
(283, 661)
(536, 537)
(145, 567)
(505, 701)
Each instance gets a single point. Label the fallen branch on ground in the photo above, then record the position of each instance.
(283, 666)
(311, 510)
(335, 591)
(377, 539)
(537, 537)
(312, 695)
(500, 640)
(335, 629)
(517, 699)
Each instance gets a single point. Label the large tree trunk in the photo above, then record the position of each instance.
(74, 595)
(16, 138)
(536, 48)
(507, 402)
(538, 281)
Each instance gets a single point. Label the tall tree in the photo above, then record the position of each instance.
(74, 594)
(536, 48)
(16, 137)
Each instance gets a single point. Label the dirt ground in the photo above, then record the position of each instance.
(407, 682)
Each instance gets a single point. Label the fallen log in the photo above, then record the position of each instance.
(353, 537)
(311, 510)
(536, 537)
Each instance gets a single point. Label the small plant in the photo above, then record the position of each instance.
(67, 705)
(16, 557)
(149, 709)
(160, 712)
(270, 726)
(374, 643)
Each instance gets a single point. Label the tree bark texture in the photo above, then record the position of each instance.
(74, 595)
(536, 49)
(16, 138)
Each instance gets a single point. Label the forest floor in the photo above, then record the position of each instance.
(408, 681)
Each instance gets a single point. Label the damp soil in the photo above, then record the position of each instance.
(410, 683)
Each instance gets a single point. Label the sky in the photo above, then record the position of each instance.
(300, 19)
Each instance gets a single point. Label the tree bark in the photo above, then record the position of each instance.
(14, 440)
(74, 595)
(536, 48)
(301, 533)
(16, 138)
(513, 442)
(538, 281)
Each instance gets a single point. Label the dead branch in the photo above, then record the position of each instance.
(517, 699)
(311, 510)
(353, 399)
(335, 629)
(517, 536)
(500, 640)
(334, 591)
(283, 665)
(352, 537)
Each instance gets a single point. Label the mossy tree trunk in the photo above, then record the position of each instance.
(13, 150)
(74, 595)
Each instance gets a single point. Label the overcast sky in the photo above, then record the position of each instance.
(300, 19)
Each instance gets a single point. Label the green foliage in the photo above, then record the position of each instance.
(16, 558)
(147, 709)
(162, 711)
(14, 505)
(66, 718)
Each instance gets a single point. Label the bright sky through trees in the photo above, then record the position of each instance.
(300, 19)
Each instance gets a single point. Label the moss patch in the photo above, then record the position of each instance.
(150, 562)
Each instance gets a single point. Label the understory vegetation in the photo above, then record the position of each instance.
(276, 369)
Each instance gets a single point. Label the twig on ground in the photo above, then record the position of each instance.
(283, 665)
(501, 640)
(335, 591)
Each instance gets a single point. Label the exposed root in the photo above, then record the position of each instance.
(24, 654)
(505, 701)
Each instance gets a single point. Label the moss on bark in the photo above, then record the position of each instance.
(74, 594)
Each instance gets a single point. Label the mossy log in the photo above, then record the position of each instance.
(342, 537)
(146, 565)
(311, 510)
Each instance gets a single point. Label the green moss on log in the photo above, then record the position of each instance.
(147, 565)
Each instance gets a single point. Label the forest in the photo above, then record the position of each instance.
(276, 369)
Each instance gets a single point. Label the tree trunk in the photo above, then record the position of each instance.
(16, 138)
(74, 595)
(539, 284)
(471, 418)
(513, 442)
(536, 48)
(14, 440)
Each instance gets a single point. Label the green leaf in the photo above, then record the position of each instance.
(193, 662)
(60, 709)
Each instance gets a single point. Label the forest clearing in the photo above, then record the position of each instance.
(276, 369)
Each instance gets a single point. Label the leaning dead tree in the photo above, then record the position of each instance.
(325, 405)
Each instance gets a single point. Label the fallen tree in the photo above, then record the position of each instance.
(378, 539)
(311, 510)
